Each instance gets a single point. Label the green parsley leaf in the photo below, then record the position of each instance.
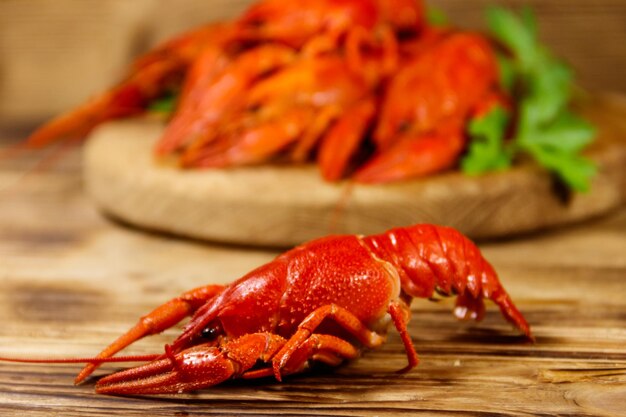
(548, 90)
(508, 72)
(572, 169)
(568, 133)
(514, 34)
(487, 151)
(436, 16)
(545, 129)
(529, 21)
(165, 104)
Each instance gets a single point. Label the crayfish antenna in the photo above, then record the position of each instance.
(129, 358)
(136, 333)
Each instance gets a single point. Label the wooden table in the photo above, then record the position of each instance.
(71, 281)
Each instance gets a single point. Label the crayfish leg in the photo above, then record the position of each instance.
(399, 315)
(325, 348)
(339, 315)
(329, 349)
(343, 139)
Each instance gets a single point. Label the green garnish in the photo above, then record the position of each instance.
(487, 151)
(545, 128)
(436, 16)
(165, 104)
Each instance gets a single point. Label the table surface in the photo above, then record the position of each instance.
(71, 280)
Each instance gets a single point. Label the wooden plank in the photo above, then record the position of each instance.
(71, 280)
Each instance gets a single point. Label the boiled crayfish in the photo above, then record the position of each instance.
(366, 88)
(322, 301)
(449, 83)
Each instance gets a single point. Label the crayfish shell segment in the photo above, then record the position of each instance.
(382, 325)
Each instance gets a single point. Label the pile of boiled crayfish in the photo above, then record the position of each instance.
(323, 301)
(366, 88)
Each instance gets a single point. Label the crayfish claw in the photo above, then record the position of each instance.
(192, 369)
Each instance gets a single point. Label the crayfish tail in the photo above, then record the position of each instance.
(512, 314)
(439, 260)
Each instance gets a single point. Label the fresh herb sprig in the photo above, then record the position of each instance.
(436, 17)
(545, 128)
(165, 104)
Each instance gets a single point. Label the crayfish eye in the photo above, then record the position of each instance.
(210, 332)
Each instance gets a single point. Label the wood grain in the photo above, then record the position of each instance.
(71, 281)
(286, 205)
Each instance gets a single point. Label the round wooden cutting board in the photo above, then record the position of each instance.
(286, 205)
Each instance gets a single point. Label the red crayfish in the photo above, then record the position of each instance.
(326, 24)
(366, 88)
(322, 301)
